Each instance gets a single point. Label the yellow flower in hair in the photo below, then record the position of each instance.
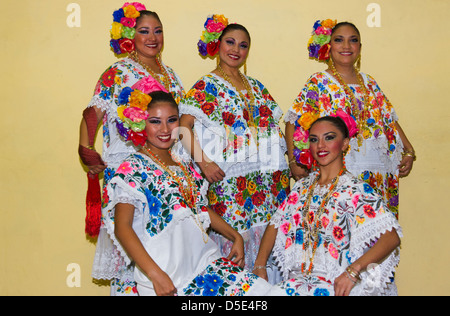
(307, 119)
(116, 30)
(140, 100)
(329, 23)
(131, 12)
(221, 19)
(120, 110)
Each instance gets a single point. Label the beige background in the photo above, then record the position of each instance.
(48, 76)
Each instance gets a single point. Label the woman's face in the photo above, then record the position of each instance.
(234, 48)
(327, 143)
(345, 45)
(162, 126)
(149, 38)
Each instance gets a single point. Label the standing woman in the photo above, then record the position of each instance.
(137, 34)
(231, 130)
(381, 152)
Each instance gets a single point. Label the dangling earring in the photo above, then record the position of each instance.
(344, 153)
(358, 63)
(218, 60)
(245, 68)
(331, 64)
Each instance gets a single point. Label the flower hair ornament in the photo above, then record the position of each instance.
(302, 153)
(208, 45)
(319, 43)
(123, 27)
(132, 111)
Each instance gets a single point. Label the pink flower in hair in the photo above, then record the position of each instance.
(148, 85)
(137, 5)
(135, 114)
(349, 121)
(128, 22)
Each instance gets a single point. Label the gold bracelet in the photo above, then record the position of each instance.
(411, 154)
(89, 147)
(353, 273)
(292, 161)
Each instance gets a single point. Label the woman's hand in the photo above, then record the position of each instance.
(297, 171)
(237, 253)
(261, 272)
(96, 169)
(163, 284)
(343, 285)
(405, 166)
(212, 172)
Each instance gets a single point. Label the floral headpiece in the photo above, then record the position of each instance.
(302, 153)
(209, 41)
(319, 43)
(132, 111)
(123, 27)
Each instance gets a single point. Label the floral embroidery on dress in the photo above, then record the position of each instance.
(322, 95)
(221, 278)
(354, 218)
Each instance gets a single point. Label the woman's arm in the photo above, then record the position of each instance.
(210, 169)
(407, 161)
(297, 170)
(84, 137)
(219, 225)
(265, 249)
(124, 232)
(387, 243)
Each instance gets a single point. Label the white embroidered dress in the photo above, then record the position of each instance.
(173, 234)
(354, 218)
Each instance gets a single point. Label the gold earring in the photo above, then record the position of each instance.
(218, 60)
(245, 68)
(358, 63)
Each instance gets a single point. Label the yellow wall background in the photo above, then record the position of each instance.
(48, 76)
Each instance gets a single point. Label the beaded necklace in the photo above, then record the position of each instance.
(249, 106)
(189, 192)
(312, 222)
(165, 81)
(361, 115)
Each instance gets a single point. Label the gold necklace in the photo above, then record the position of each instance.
(249, 106)
(165, 81)
(312, 223)
(189, 192)
(361, 116)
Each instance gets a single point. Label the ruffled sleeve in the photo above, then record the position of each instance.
(125, 187)
(371, 220)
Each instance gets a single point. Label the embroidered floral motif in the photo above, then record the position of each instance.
(221, 278)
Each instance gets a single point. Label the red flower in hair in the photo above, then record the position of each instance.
(213, 47)
(324, 52)
(138, 138)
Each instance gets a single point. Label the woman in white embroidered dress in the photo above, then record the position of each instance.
(334, 234)
(381, 153)
(154, 202)
(238, 145)
(132, 21)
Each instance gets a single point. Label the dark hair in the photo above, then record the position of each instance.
(340, 24)
(161, 96)
(148, 13)
(336, 121)
(235, 27)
